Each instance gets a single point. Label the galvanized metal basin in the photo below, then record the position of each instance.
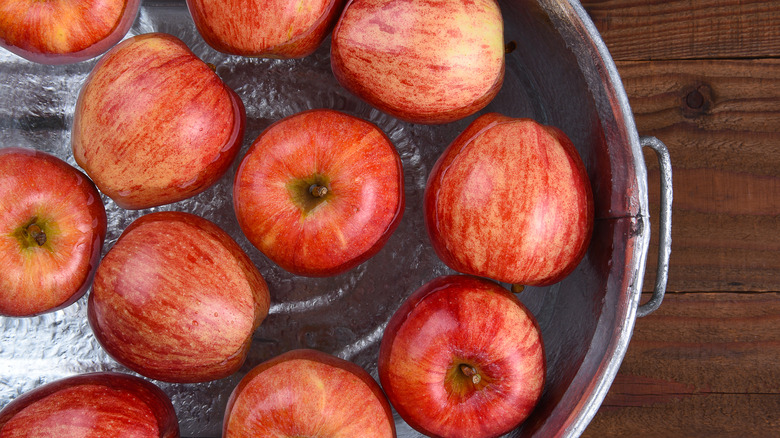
(560, 73)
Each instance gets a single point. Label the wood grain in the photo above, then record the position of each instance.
(687, 29)
(725, 152)
(704, 77)
(702, 365)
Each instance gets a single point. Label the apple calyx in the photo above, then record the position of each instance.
(309, 192)
(36, 233)
(470, 371)
(32, 234)
(464, 380)
(317, 190)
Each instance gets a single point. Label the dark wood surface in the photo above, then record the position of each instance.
(704, 77)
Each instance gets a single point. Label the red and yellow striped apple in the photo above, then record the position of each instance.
(95, 405)
(52, 228)
(462, 358)
(510, 200)
(418, 60)
(64, 31)
(265, 28)
(154, 124)
(308, 393)
(319, 192)
(176, 299)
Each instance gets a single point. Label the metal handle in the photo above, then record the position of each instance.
(665, 226)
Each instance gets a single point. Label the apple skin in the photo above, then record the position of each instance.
(177, 300)
(510, 199)
(154, 124)
(265, 28)
(64, 31)
(421, 61)
(324, 236)
(456, 321)
(308, 393)
(38, 191)
(95, 405)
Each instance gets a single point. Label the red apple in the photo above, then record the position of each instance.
(96, 405)
(154, 124)
(462, 357)
(319, 192)
(177, 300)
(510, 200)
(308, 393)
(418, 60)
(265, 28)
(64, 31)
(52, 229)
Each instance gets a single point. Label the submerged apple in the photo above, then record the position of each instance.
(462, 358)
(154, 124)
(64, 31)
(95, 405)
(177, 300)
(265, 28)
(308, 393)
(418, 60)
(52, 228)
(319, 192)
(510, 200)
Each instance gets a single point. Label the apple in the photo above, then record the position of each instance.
(308, 393)
(52, 231)
(418, 60)
(319, 192)
(177, 300)
(265, 28)
(510, 199)
(154, 124)
(462, 357)
(64, 31)
(95, 405)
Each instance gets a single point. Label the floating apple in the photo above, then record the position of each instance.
(265, 28)
(154, 124)
(319, 192)
(64, 31)
(308, 393)
(510, 200)
(462, 357)
(177, 300)
(96, 405)
(52, 229)
(418, 60)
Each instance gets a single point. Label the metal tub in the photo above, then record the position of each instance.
(560, 73)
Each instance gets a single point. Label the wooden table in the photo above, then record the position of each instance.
(704, 77)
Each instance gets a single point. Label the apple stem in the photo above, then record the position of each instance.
(318, 191)
(470, 371)
(37, 234)
(517, 288)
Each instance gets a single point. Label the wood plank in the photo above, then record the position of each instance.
(704, 364)
(721, 123)
(687, 29)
